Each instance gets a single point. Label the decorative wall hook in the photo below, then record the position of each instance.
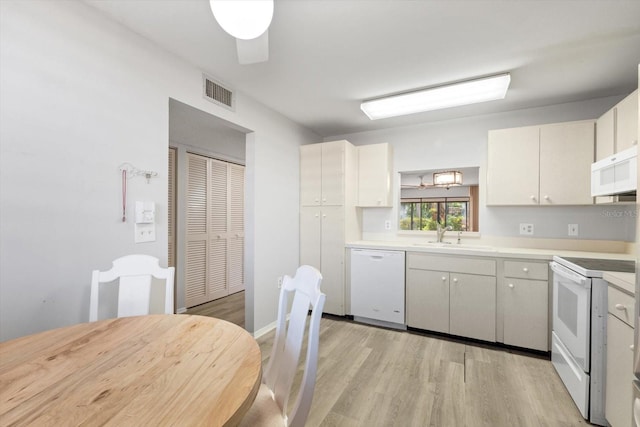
(128, 171)
(133, 171)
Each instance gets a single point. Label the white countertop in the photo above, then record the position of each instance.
(480, 250)
(624, 281)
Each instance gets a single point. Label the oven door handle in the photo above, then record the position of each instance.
(570, 275)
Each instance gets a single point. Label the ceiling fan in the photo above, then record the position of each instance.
(422, 184)
(248, 21)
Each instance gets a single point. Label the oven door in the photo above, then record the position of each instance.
(572, 312)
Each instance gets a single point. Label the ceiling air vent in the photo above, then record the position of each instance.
(215, 92)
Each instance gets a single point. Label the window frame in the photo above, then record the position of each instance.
(441, 211)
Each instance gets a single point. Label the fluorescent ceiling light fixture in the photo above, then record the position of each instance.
(453, 95)
(246, 19)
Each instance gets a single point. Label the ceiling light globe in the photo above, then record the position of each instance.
(243, 19)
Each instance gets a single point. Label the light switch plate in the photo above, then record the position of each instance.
(526, 229)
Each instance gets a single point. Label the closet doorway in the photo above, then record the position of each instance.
(214, 257)
(206, 213)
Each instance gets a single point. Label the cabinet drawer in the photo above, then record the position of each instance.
(422, 261)
(621, 305)
(526, 270)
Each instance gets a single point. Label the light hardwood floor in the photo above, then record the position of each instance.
(230, 308)
(370, 376)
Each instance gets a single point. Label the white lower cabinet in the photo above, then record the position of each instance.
(525, 304)
(460, 295)
(322, 236)
(619, 391)
(459, 299)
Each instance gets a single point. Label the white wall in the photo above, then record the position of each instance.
(80, 95)
(463, 143)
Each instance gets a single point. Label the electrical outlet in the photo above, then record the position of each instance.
(279, 282)
(526, 229)
(573, 229)
(387, 225)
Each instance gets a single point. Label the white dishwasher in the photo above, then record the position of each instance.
(377, 287)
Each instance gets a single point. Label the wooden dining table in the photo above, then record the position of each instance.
(155, 370)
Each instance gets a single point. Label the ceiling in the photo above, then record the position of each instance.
(327, 56)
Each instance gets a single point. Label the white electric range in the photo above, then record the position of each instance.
(579, 329)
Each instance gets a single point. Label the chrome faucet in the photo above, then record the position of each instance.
(440, 230)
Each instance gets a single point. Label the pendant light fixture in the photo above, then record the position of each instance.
(244, 20)
(447, 179)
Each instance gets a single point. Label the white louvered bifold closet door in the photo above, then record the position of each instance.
(171, 211)
(236, 229)
(219, 237)
(215, 230)
(197, 237)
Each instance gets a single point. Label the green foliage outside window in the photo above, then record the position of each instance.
(425, 214)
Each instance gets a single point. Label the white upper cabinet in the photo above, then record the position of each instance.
(617, 129)
(566, 154)
(627, 122)
(322, 174)
(606, 135)
(541, 165)
(375, 165)
(311, 175)
(513, 166)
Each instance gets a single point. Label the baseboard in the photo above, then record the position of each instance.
(262, 331)
(181, 310)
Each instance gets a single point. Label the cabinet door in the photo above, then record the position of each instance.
(566, 154)
(374, 175)
(605, 135)
(333, 173)
(332, 259)
(473, 306)
(619, 372)
(310, 236)
(310, 174)
(627, 122)
(428, 300)
(526, 313)
(513, 166)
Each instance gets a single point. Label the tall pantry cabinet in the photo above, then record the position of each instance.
(328, 216)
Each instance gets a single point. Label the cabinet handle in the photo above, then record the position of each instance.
(631, 347)
(546, 197)
(444, 278)
(532, 197)
(455, 280)
(525, 269)
(511, 285)
(324, 215)
(621, 307)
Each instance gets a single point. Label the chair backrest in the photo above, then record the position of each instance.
(134, 274)
(287, 346)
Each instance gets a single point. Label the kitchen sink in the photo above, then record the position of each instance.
(454, 246)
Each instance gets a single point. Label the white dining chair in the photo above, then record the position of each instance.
(132, 275)
(270, 407)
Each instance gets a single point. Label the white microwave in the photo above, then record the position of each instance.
(616, 174)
